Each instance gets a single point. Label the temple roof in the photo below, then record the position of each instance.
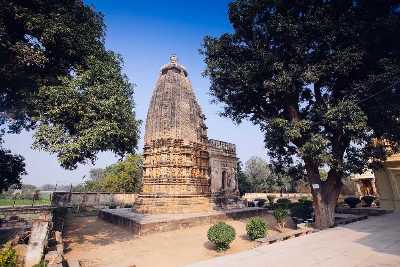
(174, 112)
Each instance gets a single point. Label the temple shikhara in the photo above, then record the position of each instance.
(183, 171)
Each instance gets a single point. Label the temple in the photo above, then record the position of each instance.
(183, 170)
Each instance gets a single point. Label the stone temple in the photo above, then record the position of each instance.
(184, 171)
(188, 179)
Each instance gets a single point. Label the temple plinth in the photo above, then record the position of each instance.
(176, 160)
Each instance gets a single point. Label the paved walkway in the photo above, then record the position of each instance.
(373, 242)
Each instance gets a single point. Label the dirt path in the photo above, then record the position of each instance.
(98, 243)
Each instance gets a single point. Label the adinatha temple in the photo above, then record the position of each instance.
(184, 171)
(188, 179)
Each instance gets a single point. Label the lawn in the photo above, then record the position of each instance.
(19, 202)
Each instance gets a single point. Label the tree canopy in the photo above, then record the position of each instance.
(122, 177)
(57, 78)
(259, 176)
(320, 78)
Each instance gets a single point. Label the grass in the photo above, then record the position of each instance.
(20, 202)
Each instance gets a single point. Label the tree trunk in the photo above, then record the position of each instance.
(325, 195)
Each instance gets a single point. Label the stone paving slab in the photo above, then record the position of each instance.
(369, 243)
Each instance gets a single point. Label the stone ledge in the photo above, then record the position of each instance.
(143, 224)
(284, 236)
(366, 211)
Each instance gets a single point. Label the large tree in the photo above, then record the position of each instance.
(57, 78)
(321, 79)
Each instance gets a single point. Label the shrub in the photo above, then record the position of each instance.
(256, 228)
(368, 200)
(280, 215)
(128, 206)
(271, 199)
(112, 206)
(221, 235)
(302, 210)
(250, 204)
(352, 201)
(261, 202)
(283, 203)
(8, 257)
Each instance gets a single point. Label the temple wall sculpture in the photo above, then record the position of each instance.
(177, 171)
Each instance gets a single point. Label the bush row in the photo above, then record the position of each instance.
(222, 234)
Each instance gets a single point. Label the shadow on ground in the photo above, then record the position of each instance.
(383, 233)
(93, 230)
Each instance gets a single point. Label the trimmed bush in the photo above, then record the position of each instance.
(368, 200)
(112, 206)
(280, 215)
(250, 204)
(271, 199)
(256, 228)
(261, 202)
(283, 203)
(302, 209)
(8, 257)
(221, 235)
(352, 201)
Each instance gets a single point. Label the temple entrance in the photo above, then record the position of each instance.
(223, 181)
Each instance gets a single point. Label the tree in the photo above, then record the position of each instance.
(96, 174)
(320, 78)
(11, 168)
(122, 177)
(57, 78)
(261, 177)
(259, 174)
(243, 181)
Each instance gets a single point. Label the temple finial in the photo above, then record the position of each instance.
(173, 59)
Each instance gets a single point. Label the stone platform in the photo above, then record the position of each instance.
(142, 224)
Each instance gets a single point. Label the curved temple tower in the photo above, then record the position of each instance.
(176, 159)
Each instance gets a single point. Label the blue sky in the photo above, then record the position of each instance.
(146, 33)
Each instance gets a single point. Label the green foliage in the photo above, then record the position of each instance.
(243, 181)
(221, 235)
(302, 209)
(11, 168)
(57, 78)
(8, 257)
(271, 199)
(42, 263)
(319, 94)
(352, 201)
(123, 176)
(87, 113)
(283, 203)
(368, 200)
(260, 202)
(280, 216)
(256, 228)
(262, 178)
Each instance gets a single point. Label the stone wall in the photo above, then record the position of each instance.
(292, 196)
(388, 183)
(92, 199)
(25, 214)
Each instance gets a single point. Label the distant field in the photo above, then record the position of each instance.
(19, 202)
